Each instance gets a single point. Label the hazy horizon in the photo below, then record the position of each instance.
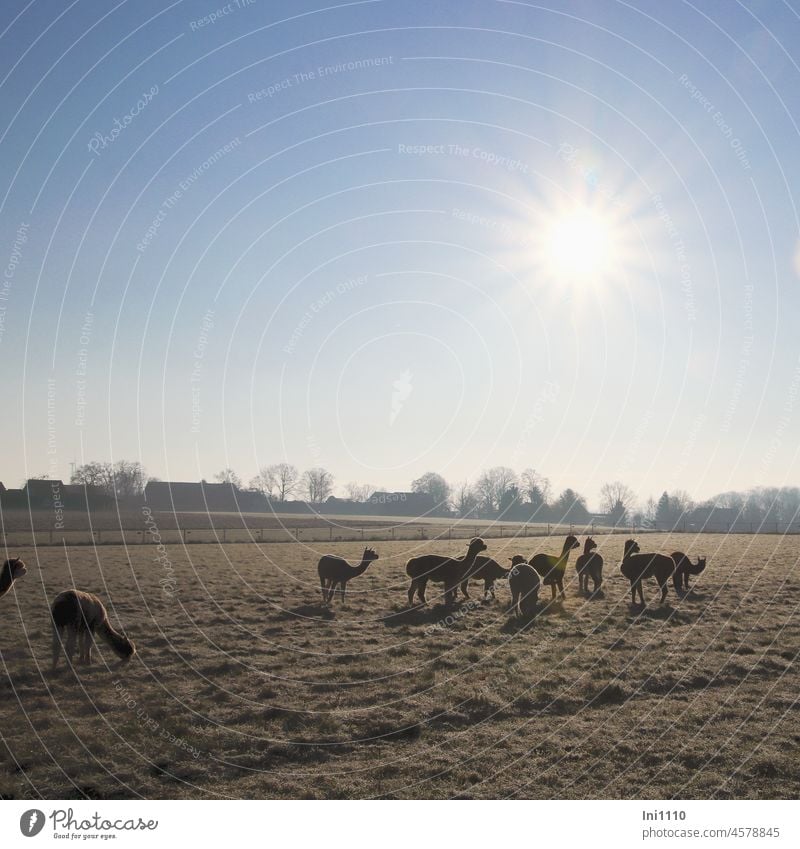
(389, 239)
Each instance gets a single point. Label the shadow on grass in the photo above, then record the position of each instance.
(420, 615)
(308, 611)
(661, 613)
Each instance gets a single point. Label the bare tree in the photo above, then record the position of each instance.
(535, 487)
(287, 479)
(617, 501)
(317, 484)
(227, 475)
(436, 486)
(123, 479)
(465, 498)
(359, 492)
(492, 485)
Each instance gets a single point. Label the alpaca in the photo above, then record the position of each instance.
(589, 565)
(551, 567)
(335, 571)
(80, 614)
(524, 582)
(450, 571)
(10, 571)
(487, 570)
(683, 568)
(637, 566)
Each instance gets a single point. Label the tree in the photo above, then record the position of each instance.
(465, 499)
(436, 486)
(491, 485)
(317, 484)
(570, 506)
(535, 487)
(123, 479)
(616, 501)
(663, 512)
(227, 475)
(359, 492)
(263, 482)
(287, 479)
(510, 500)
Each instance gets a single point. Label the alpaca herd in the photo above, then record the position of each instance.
(525, 577)
(77, 617)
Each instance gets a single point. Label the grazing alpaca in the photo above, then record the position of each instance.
(450, 571)
(683, 568)
(10, 571)
(487, 570)
(524, 582)
(80, 615)
(551, 567)
(335, 571)
(635, 567)
(589, 565)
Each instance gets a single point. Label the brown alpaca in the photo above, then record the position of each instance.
(450, 571)
(551, 567)
(524, 582)
(589, 565)
(10, 571)
(80, 614)
(487, 570)
(683, 568)
(635, 567)
(335, 571)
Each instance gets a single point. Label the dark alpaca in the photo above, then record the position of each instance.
(10, 571)
(335, 571)
(683, 568)
(524, 583)
(589, 565)
(450, 571)
(551, 567)
(80, 614)
(635, 567)
(487, 570)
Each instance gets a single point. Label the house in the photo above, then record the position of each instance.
(400, 503)
(184, 496)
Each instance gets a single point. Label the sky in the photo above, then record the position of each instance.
(388, 238)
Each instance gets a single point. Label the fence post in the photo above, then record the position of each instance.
(224, 534)
(548, 529)
(185, 532)
(142, 537)
(449, 533)
(392, 531)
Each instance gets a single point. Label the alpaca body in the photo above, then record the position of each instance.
(335, 572)
(485, 569)
(551, 567)
(524, 583)
(683, 568)
(9, 572)
(450, 571)
(635, 567)
(589, 565)
(79, 615)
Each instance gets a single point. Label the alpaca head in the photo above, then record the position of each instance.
(590, 544)
(369, 555)
(515, 561)
(126, 649)
(697, 568)
(571, 542)
(16, 568)
(476, 545)
(631, 547)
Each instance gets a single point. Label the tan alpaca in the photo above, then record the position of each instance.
(80, 614)
(9, 572)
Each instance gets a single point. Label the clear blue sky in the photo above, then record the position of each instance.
(354, 268)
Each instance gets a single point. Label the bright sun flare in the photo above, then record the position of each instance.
(579, 245)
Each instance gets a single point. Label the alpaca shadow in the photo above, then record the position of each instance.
(419, 615)
(691, 595)
(661, 613)
(308, 611)
(554, 607)
(517, 624)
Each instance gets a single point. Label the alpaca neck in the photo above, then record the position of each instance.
(6, 579)
(360, 569)
(117, 641)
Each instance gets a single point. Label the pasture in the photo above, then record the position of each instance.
(245, 686)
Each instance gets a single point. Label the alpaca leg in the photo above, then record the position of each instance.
(465, 588)
(663, 592)
(421, 586)
(411, 590)
(57, 646)
(342, 588)
(72, 636)
(561, 588)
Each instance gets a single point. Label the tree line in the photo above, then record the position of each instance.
(497, 492)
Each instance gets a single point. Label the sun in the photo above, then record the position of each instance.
(578, 245)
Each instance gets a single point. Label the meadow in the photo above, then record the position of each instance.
(246, 686)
